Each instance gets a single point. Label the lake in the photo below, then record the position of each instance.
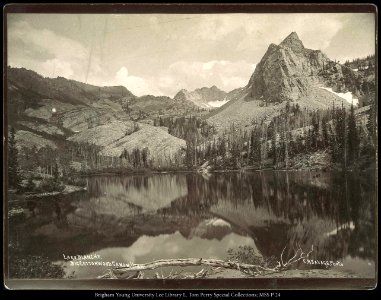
(143, 218)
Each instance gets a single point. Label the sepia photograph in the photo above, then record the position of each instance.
(219, 147)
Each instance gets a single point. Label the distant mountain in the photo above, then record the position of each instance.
(289, 72)
(149, 107)
(203, 97)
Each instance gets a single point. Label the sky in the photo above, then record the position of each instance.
(160, 54)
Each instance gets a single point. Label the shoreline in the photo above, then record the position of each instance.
(245, 169)
(68, 190)
(19, 198)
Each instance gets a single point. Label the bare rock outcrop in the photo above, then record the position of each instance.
(204, 97)
(287, 71)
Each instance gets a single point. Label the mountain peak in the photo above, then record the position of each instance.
(292, 36)
(203, 96)
(292, 41)
(286, 71)
(181, 95)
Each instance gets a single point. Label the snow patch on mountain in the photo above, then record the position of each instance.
(348, 96)
(217, 103)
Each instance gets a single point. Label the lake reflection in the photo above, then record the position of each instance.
(144, 218)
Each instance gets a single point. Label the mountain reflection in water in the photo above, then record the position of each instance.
(148, 217)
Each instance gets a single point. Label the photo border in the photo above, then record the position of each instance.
(188, 284)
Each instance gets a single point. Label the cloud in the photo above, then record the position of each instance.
(262, 30)
(355, 39)
(56, 66)
(50, 54)
(318, 37)
(47, 41)
(137, 85)
(234, 82)
(226, 75)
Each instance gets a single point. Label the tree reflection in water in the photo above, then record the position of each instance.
(334, 212)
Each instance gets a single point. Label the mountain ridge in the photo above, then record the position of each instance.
(288, 72)
(204, 97)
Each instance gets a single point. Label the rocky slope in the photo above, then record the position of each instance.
(77, 106)
(66, 104)
(286, 71)
(207, 98)
(244, 112)
(119, 135)
(146, 108)
(50, 111)
(28, 139)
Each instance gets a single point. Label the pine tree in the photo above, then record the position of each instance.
(14, 178)
(325, 139)
(275, 152)
(353, 138)
(252, 146)
(255, 151)
(371, 124)
(332, 134)
(136, 157)
(315, 130)
(345, 136)
(286, 142)
(222, 148)
(263, 144)
(56, 172)
(340, 139)
(308, 140)
(145, 157)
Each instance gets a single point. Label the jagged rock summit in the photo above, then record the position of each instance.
(203, 97)
(293, 42)
(286, 71)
